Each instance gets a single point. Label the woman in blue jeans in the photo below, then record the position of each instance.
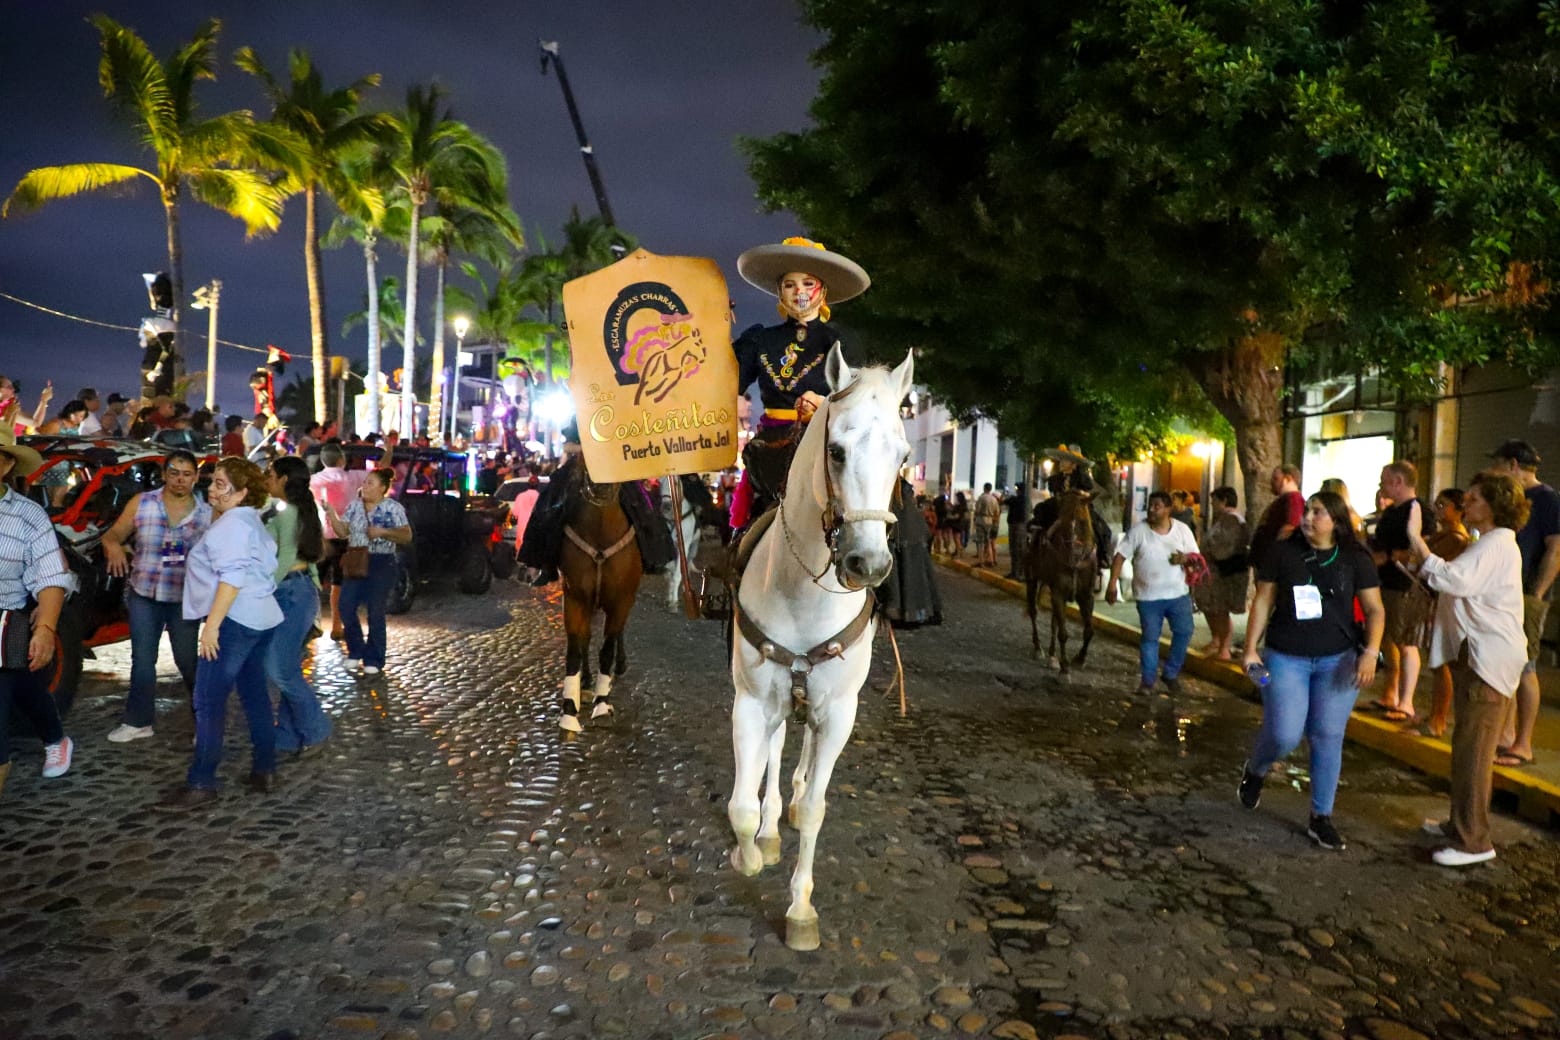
(229, 581)
(293, 521)
(1306, 588)
(378, 522)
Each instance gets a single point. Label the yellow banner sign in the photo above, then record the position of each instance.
(654, 380)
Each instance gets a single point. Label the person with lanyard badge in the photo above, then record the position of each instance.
(31, 566)
(164, 524)
(787, 360)
(293, 520)
(1317, 661)
(229, 581)
(378, 523)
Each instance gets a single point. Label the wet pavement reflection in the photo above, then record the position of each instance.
(1019, 857)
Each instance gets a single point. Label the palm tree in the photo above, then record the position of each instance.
(435, 156)
(214, 158)
(484, 233)
(384, 315)
(367, 230)
(589, 244)
(329, 129)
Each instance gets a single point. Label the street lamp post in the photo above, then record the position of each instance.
(462, 326)
(207, 297)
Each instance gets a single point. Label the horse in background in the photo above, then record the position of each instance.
(804, 614)
(696, 498)
(601, 567)
(1063, 558)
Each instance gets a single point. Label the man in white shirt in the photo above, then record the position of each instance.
(1157, 548)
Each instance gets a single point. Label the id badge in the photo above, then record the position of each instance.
(173, 554)
(1308, 603)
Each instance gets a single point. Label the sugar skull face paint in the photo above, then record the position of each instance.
(801, 295)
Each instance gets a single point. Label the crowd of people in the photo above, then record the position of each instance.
(1460, 584)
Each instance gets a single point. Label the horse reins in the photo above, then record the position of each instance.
(833, 519)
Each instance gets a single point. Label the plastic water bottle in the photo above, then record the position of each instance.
(1258, 673)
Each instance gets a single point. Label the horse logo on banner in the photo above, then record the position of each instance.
(654, 380)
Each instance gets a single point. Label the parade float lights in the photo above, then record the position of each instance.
(556, 407)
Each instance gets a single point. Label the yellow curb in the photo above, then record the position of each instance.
(1537, 799)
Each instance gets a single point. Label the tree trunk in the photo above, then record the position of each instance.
(436, 385)
(176, 276)
(375, 361)
(1245, 382)
(311, 264)
(409, 339)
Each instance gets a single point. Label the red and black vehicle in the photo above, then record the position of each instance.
(85, 484)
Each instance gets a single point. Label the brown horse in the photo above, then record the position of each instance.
(1063, 559)
(601, 569)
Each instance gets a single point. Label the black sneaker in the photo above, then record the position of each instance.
(1250, 790)
(1324, 834)
(1173, 685)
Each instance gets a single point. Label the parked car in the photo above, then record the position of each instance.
(84, 484)
(454, 532)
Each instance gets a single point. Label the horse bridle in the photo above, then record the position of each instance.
(833, 518)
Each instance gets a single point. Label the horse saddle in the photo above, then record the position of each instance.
(741, 549)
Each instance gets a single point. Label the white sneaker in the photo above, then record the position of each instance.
(371, 670)
(124, 733)
(1450, 857)
(354, 666)
(56, 759)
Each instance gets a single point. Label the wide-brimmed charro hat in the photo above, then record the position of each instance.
(27, 460)
(1066, 453)
(763, 266)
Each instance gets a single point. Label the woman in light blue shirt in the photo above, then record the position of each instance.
(230, 581)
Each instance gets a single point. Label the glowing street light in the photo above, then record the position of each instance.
(206, 298)
(462, 326)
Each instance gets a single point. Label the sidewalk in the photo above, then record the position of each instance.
(1536, 786)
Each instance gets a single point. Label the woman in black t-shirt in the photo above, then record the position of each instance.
(1306, 587)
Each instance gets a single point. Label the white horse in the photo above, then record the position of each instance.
(805, 618)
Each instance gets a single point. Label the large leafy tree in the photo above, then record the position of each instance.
(1130, 209)
(434, 156)
(214, 158)
(329, 131)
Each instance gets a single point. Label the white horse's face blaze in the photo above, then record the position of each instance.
(866, 447)
(865, 454)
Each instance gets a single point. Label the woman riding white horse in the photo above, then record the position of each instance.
(803, 609)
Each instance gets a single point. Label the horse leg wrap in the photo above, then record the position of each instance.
(569, 714)
(601, 707)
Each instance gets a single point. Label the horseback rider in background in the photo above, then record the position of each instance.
(1071, 473)
(787, 360)
(544, 534)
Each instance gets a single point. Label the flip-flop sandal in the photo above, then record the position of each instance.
(1377, 707)
(1517, 761)
(1397, 715)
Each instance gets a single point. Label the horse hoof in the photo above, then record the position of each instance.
(570, 724)
(802, 933)
(770, 848)
(740, 865)
(601, 710)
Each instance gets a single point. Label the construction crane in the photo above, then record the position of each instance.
(550, 56)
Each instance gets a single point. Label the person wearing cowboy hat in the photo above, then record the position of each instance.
(31, 567)
(1071, 473)
(787, 360)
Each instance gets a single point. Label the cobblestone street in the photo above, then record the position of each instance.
(1017, 858)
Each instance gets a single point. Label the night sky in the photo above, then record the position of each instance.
(664, 89)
